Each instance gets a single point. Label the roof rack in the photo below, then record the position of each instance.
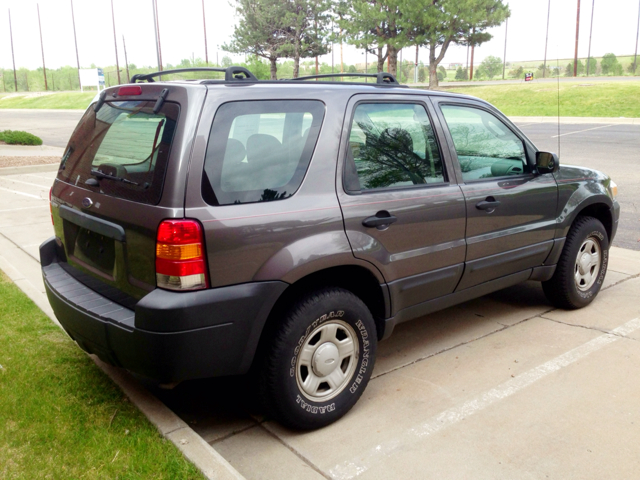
(231, 74)
(382, 78)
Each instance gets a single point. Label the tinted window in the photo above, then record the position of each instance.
(486, 148)
(259, 151)
(392, 145)
(124, 140)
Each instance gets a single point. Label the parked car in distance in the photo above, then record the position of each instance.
(216, 227)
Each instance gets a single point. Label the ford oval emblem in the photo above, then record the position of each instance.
(87, 202)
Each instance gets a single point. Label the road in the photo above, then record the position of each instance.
(54, 127)
(613, 149)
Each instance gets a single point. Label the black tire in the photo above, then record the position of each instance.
(564, 289)
(309, 325)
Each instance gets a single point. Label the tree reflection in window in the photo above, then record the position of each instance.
(393, 145)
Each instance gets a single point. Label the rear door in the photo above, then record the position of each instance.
(402, 208)
(511, 210)
(122, 173)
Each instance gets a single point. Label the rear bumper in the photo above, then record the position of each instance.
(169, 336)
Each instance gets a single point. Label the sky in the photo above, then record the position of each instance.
(182, 34)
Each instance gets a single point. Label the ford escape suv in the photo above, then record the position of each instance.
(212, 227)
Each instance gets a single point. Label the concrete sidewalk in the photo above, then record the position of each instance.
(24, 224)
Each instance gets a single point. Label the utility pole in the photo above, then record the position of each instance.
(155, 28)
(75, 38)
(575, 56)
(504, 60)
(593, 4)
(44, 68)
(204, 24)
(473, 46)
(13, 58)
(124, 46)
(115, 43)
(635, 56)
(544, 65)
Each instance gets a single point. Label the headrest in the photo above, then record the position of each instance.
(235, 151)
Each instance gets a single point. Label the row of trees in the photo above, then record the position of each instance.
(275, 29)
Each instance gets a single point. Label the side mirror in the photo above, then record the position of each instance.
(547, 162)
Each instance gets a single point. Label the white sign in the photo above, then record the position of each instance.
(91, 77)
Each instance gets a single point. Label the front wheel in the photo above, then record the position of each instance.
(582, 267)
(320, 360)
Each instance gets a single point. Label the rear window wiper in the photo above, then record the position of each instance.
(100, 174)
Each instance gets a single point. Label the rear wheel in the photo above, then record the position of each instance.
(320, 360)
(582, 266)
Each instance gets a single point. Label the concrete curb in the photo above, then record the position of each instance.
(80, 110)
(49, 167)
(212, 465)
(578, 120)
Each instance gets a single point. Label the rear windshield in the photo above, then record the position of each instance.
(123, 148)
(259, 151)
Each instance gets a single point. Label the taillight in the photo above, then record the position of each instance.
(51, 206)
(180, 258)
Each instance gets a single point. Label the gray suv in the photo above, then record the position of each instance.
(219, 227)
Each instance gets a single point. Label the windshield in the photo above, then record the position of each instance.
(127, 144)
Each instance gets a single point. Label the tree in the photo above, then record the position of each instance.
(632, 68)
(492, 66)
(374, 25)
(226, 61)
(307, 24)
(569, 70)
(609, 64)
(422, 75)
(593, 65)
(260, 31)
(442, 22)
(462, 74)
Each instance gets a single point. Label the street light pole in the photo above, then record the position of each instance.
(575, 57)
(13, 58)
(115, 42)
(635, 56)
(593, 5)
(204, 23)
(75, 39)
(44, 68)
(544, 65)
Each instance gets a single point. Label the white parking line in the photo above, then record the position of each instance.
(39, 176)
(24, 183)
(580, 131)
(365, 461)
(21, 193)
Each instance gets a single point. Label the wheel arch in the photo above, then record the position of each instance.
(357, 279)
(600, 211)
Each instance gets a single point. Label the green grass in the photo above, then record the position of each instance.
(17, 137)
(61, 416)
(577, 99)
(64, 100)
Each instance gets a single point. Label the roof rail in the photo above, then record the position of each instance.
(231, 74)
(382, 78)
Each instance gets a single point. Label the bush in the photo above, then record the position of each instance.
(462, 74)
(610, 64)
(422, 75)
(16, 137)
(441, 76)
(491, 66)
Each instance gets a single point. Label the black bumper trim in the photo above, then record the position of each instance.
(170, 336)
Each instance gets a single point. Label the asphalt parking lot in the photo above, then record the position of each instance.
(500, 387)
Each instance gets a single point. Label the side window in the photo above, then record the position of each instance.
(259, 151)
(392, 145)
(486, 148)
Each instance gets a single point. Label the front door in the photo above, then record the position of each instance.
(511, 209)
(401, 211)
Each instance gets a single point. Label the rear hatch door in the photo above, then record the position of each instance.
(122, 173)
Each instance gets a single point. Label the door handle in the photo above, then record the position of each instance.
(380, 219)
(489, 203)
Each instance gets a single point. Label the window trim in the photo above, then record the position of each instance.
(454, 152)
(346, 174)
